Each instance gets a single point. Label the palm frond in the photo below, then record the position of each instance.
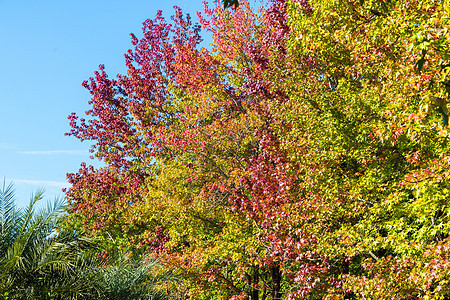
(39, 226)
(8, 216)
(27, 215)
(40, 258)
(31, 252)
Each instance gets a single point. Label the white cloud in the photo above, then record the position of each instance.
(6, 146)
(49, 183)
(55, 152)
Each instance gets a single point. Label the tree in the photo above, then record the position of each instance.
(303, 156)
(364, 123)
(37, 261)
(177, 132)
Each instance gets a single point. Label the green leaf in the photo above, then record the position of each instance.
(228, 3)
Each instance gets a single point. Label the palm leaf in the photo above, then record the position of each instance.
(7, 216)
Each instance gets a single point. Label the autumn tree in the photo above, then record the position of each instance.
(304, 155)
(177, 133)
(366, 124)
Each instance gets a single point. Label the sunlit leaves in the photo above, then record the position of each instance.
(306, 153)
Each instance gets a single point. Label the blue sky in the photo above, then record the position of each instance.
(47, 49)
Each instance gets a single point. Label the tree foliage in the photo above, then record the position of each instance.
(42, 258)
(303, 156)
(36, 261)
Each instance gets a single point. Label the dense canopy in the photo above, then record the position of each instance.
(305, 155)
